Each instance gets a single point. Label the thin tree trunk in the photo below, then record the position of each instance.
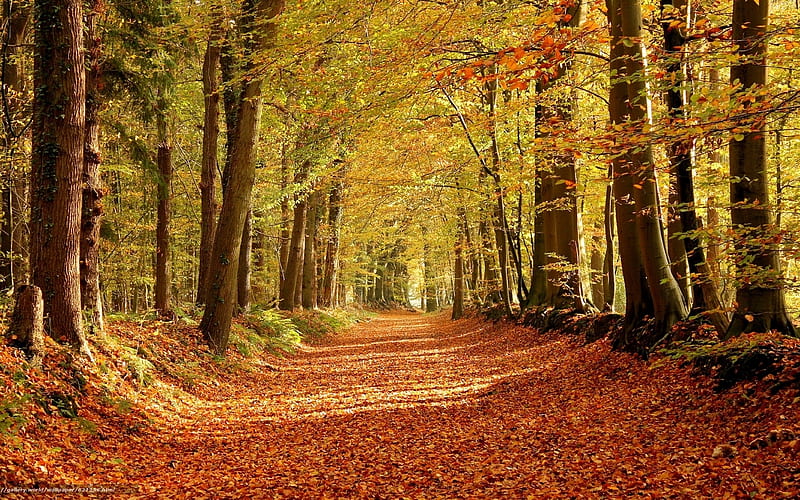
(13, 234)
(309, 292)
(285, 234)
(331, 271)
(93, 188)
(219, 311)
(295, 257)
(56, 165)
(458, 271)
(163, 258)
(609, 271)
(208, 174)
(243, 281)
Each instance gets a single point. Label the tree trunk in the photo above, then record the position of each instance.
(676, 250)
(295, 257)
(163, 258)
(13, 234)
(760, 302)
(669, 305)
(219, 311)
(638, 303)
(93, 188)
(309, 291)
(458, 271)
(500, 222)
(331, 269)
(245, 269)
(56, 165)
(538, 295)
(285, 234)
(559, 188)
(609, 271)
(208, 174)
(705, 295)
(26, 330)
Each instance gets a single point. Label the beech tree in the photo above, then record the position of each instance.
(760, 305)
(260, 23)
(651, 288)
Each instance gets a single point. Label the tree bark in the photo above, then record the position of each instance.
(93, 188)
(243, 280)
(705, 295)
(760, 302)
(56, 165)
(208, 174)
(458, 271)
(295, 257)
(559, 187)
(669, 305)
(309, 281)
(163, 258)
(609, 271)
(331, 269)
(285, 234)
(26, 330)
(219, 311)
(13, 233)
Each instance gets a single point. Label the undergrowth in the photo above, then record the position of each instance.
(140, 358)
(770, 357)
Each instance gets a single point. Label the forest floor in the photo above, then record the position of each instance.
(418, 406)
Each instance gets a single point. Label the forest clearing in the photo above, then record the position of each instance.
(417, 406)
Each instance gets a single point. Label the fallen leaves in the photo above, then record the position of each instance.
(411, 406)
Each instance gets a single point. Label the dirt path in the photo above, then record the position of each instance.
(417, 406)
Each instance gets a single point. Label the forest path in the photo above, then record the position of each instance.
(418, 406)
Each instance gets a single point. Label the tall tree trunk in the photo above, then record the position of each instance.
(609, 271)
(458, 271)
(500, 221)
(219, 311)
(760, 302)
(309, 290)
(638, 303)
(163, 258)
(243, 280)
(57, 163)
(13, 234)
(669, 305)
(559, 188)
(295, 257)
(93, 189)
(285, 234)
(705, 295)
(538, 295)
(208, 174)
(331, 269)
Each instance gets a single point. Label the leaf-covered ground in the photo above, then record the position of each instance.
(417, 406)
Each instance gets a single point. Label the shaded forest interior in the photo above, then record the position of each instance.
(235, 181)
